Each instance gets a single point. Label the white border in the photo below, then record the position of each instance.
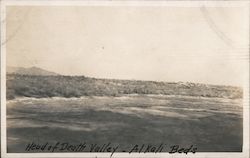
(174, 3)
(4, 3)
(3, 80)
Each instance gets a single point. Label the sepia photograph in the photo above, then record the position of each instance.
(134, 78)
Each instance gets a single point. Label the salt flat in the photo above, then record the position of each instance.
(212, 124)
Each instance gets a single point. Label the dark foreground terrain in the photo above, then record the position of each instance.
(75, 109)
(211, 124)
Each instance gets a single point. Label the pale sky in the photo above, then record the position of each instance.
(205, 45)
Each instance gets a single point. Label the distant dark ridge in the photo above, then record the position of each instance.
(35, 71)
(77, 86)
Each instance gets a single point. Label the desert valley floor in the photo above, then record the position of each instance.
(212, 124)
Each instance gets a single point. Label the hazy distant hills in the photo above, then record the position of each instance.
(39, 83)
(35, 71)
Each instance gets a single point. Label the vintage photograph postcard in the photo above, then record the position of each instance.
(110, 79)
